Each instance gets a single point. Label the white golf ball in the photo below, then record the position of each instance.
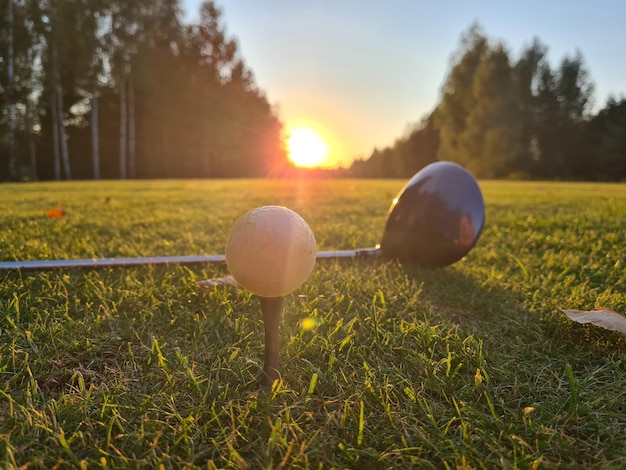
(271, 251)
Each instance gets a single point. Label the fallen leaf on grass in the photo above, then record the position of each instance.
(216, 281)
(605, 318)
(55, 213)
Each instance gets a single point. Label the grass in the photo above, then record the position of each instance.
(471, 366)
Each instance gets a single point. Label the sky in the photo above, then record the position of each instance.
(361, 72)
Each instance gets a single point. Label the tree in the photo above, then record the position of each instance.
(212, 56)
(12, 166)
(457, 99)
(478, 114)
(18, 48)
(607, 132)
(526, 76)
(564, 98)
(63, 69)
(124, 31)
(488, 143)
(140, 30)
(129, 29)
(94, 20)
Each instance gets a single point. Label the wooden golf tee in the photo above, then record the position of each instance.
(272, 309)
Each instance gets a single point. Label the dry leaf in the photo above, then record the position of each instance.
(605, 318)
(55, 213)
(216, 281)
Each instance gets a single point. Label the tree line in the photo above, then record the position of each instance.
(506, 117)
(94, 89)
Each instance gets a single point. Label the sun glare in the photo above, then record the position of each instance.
(306, 147)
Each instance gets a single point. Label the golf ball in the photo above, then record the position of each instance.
(270, 251)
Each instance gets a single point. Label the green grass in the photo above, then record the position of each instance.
(467, 366)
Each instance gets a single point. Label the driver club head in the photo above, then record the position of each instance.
(436, 219)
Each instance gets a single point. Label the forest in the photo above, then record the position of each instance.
(117, 89)
(96, 89)
(507, 117)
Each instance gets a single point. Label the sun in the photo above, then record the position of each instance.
(306, 148)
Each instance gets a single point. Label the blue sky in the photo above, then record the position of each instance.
(360, 72)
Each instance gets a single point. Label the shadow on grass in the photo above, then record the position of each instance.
(460, 298)
(502, 317)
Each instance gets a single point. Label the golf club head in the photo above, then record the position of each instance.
(436, 219)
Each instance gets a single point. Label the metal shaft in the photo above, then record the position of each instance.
(122, 262)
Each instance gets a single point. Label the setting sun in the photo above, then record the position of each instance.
(306, 148)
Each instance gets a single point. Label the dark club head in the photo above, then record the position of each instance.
(436, 218)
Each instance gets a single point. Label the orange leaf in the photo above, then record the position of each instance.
(55, 213)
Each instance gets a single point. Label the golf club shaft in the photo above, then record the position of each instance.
(128, 262)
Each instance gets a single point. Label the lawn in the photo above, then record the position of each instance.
(383, 365)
